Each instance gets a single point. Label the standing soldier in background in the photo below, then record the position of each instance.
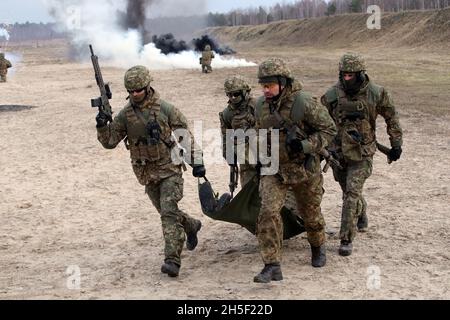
(146, 124)
(305, 128)
(4, 66)
(354, 103)
(239, 114)
(206, 59)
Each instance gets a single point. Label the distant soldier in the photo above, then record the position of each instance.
(239, 114)
(146, 125)
(305, 128)
(355, 103)
(206, 59)
(4, 66)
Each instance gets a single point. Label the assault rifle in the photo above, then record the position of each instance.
(102, 103)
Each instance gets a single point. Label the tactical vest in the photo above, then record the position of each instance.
(141, 150)
(240, 118)
(356, 120)
(296, 116)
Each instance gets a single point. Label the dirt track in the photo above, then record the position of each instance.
(66, 201)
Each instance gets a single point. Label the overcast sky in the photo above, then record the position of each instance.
(34, 11)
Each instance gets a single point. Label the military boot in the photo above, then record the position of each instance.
(171, 269)
(363, 223)
(192, 240)
(346, 248)
(319, 258)
(271, 272)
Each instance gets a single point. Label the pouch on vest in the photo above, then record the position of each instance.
(351, 144)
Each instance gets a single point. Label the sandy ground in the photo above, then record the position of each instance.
(65, 201)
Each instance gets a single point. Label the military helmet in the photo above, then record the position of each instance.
(236, 83)
(352, 62)
(137, 78)
(272, 69)
(208, 47)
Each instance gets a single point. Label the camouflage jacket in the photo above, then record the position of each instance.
(4, 66)
(151, 162)
(314, 121)
(234, 118)
(359, 114)
(207, 57)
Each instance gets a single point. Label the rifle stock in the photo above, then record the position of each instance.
(234, 176)
(385, 150)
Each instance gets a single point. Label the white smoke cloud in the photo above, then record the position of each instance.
(4, 33)
(96, 23)
(15, 59)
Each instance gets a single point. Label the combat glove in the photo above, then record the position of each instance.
(199, 171)
(102, 120)
(395, 153)
(296, 146)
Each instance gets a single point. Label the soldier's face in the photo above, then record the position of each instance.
(349, 76)
(137, 95)
(271, 90)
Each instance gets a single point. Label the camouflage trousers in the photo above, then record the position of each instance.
(247, 172)
(352, 180)
(165, 195)
(308, 196)
(2, 78)
(206, 68)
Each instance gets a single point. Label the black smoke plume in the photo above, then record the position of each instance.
(200, 43)
(168, 44)
(135, 18)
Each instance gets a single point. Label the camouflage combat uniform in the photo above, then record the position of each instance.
(301, 172)
(239, 114)
(355, 112)
(151, 160)
(4, 66)
(206, 60)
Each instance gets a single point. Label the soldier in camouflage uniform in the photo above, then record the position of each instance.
(206, 60)
(146, 125)
(239, 114)
(4, 66)
(354, 103)
(299, 164)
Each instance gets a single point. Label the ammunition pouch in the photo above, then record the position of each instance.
(351, 144)
(154, 133)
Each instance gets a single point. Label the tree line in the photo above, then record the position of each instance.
(30, 31)
(304, 9)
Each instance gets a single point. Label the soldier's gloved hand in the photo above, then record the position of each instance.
(296, 146)
(395, 153)
(199, 171)
(102, 120)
